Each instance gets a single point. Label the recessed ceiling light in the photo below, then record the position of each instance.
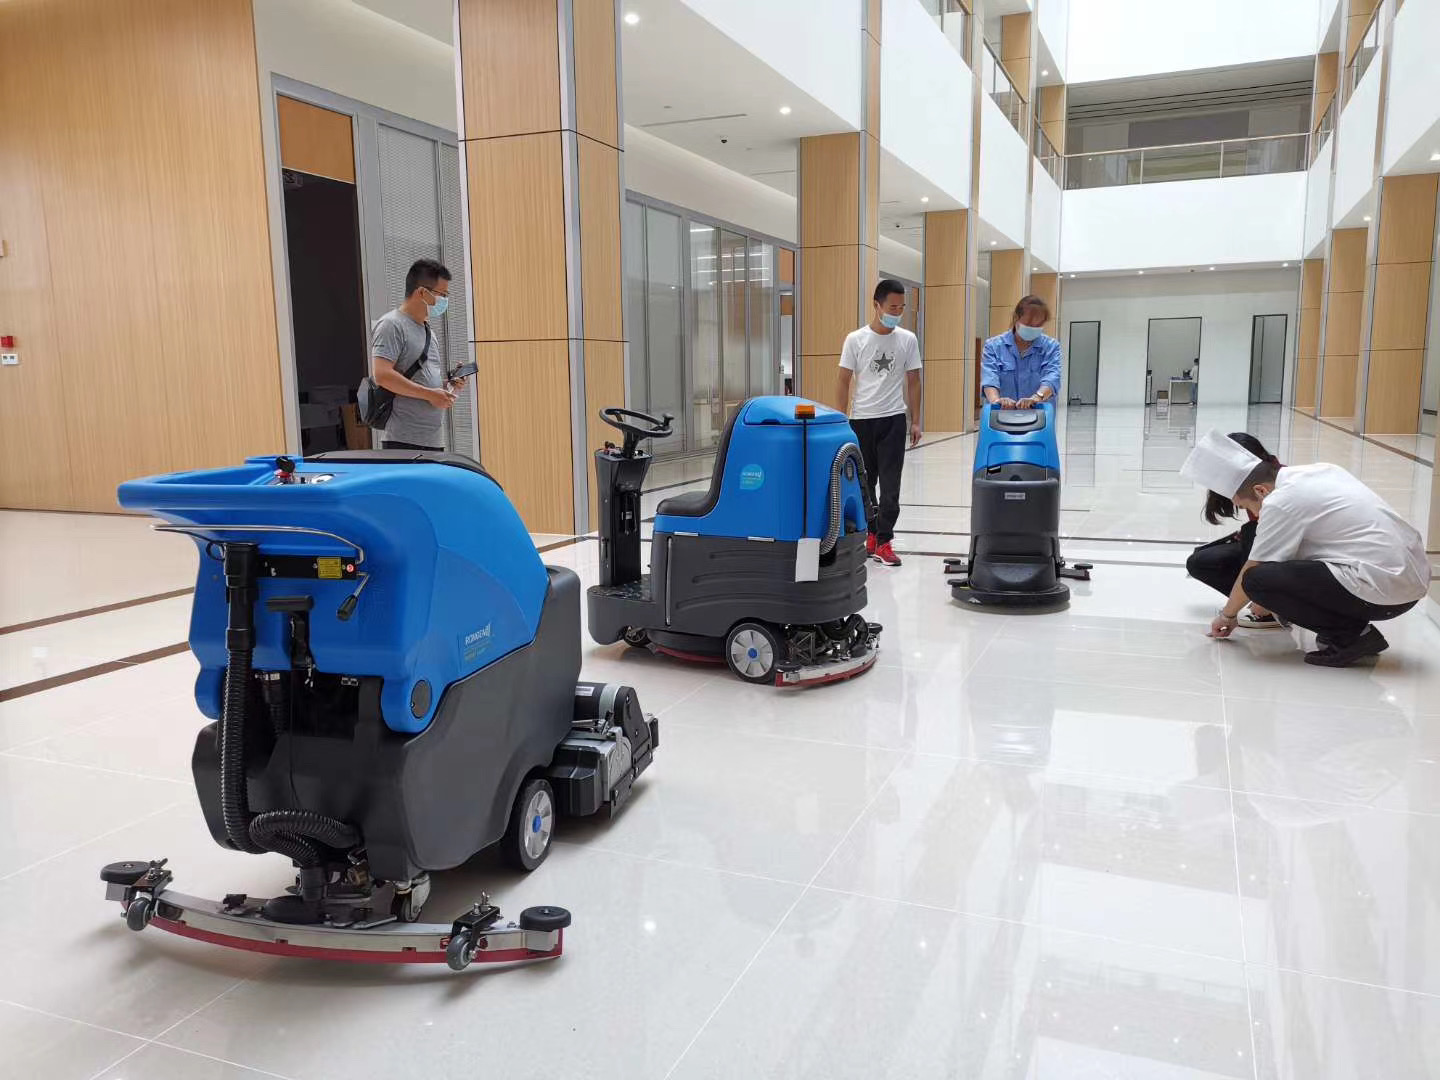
(1284, 265)
(1435, 156)
(784, 110)
(924, 198)
(1034, 269)
(1139, 271)
(1212, 268)
(631, 18)
(1045, 72)
(1072, 275)
(994, 243)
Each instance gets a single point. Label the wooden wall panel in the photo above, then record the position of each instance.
(1337, 394)
(945, 247)
(944, 405)
(597, 113)
(1053, 105)
(529, 450)
(831, 194)
(151, 211)
(1391, 402)
(1047, 287)
(315, 140)
(604, 386)
(1401, 304)
(511, 64)
(517, 233)
(828, 311)
(1312, 283)
(1347, 265)
(946, 337)
(818, 376)
(600, 264)
(1307, 340)
(1407, 218)
(1015, 50)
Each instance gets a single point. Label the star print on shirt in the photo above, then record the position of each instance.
(882, 363)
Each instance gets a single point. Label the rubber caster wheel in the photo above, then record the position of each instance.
(636, 638)
(753, 652)
(139, 912)
(545, 918)
(532, 826)
(460, 951)
(406, 906)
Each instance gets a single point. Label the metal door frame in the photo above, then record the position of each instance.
(1250, 389)
(1070, 356)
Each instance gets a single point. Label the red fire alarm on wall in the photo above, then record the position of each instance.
(7, 341)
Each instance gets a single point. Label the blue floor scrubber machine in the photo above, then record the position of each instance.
(392, 676)
(1014, 556)
(764, 570)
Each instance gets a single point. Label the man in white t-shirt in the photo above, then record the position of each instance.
(881, 364)
(1329, 555)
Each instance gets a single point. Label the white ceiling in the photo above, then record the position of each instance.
(434, 18)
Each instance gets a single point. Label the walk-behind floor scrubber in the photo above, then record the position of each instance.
(393, 674)
(1015, 515)
(764, 570)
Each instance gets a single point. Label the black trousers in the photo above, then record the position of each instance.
(388, 444)
(1306, 593)
(1218, 564)
(882, 446)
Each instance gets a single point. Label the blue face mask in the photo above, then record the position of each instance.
(1028, 333)
(435, 310)
(892, 321)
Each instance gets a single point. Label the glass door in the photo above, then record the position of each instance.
(705, 328)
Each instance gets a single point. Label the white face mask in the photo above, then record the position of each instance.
(435, 310)
(892, 321)
(1028, 333)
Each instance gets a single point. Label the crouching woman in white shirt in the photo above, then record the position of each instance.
(1329, 555)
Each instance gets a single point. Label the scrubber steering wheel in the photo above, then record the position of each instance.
(658, 429)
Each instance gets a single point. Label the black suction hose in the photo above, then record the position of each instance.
(848, 452)
(241, 570)
(285, 832)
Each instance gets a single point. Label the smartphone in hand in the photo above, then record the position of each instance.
(463, 372)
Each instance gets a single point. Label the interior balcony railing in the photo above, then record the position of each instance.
(1051, 160)
(1255, 156)
(952, 20)
(1365, 54)
(1322, 131)
(995, 81)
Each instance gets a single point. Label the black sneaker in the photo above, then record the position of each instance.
(1250, 621)
(1370, 643)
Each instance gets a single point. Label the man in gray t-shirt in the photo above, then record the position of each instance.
(398, 339)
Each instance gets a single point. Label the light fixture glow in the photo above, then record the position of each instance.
(1435, 156)
(1139, 271)
(994, 243)
(1367, 217)
(631, 18)
(1045, 72)
(1284, 266)
(924, 198)
(1072, 275)
(1212, 268)
(784, 110)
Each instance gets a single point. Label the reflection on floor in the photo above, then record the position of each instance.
(1089, 844)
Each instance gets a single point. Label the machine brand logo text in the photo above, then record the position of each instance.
(751, 477)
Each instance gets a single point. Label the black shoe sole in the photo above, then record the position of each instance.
(1369, 644)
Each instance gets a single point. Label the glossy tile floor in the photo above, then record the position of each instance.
(1080, 845)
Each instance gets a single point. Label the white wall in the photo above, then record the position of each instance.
(1044, 217)
(1317, 199)
(1004, 157)
(1412, 117)
(1225, 301)
(818, 51)
(925, 99)
(664, 171)
(896, 258)
(1355, 146)
(1242, 219)
(348, 49)
(1120, 39)
(1054, 19)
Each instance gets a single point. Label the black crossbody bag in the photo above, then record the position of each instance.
(374, 403)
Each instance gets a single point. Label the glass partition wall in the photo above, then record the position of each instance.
(709, 317)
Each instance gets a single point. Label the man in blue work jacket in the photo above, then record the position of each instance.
(1021, 367)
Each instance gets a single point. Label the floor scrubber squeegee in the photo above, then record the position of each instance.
(393, 679)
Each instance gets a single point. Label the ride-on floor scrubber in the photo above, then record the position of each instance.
(393, 675)
(1015, 515)
(765, 570)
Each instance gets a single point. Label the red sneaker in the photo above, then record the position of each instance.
(886, 554)
(869, 543)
